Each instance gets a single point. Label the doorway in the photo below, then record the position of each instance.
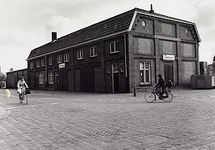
(115, 78)
(56, 80)
(168, 72)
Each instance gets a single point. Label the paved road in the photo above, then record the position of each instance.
(86, 121)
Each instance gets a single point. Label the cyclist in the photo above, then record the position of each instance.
(21, 85)
(160, 86)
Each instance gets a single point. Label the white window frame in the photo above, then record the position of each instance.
(50, 77)
(59, 59)
(145, 72)
(80, 55)
(114, 47)
(66, 57)
(93, 52)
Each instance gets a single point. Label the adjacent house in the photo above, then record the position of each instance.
(118, 54)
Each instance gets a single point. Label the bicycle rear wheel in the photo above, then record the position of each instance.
(150, 97)
(25, 99)
(168, 97)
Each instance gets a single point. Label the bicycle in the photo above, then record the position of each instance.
(23, 98)
(151, 95)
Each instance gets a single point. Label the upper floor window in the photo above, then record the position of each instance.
(145, 73)
(42, 63)
(50, 61)
(59, 59)
(93, 51)
(31, 65)
(114, 47)
(66, 57)
(38, 63)
(80, 54)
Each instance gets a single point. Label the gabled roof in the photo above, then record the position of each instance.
(119, 23)
(116, 25)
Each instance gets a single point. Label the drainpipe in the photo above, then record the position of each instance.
(126, 67)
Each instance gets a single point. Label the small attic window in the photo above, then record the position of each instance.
(186, 30)
(143, 23)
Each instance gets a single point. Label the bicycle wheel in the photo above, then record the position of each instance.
(25, 99)
(150, 97)
(168, 97)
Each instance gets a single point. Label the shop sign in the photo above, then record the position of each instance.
(169, 57)
(62, 65)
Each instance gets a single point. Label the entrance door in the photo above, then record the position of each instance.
(115, 78)
(168, 72)
(116, 82)
(56, 80)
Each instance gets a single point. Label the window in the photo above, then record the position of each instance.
(145, 73)
(50, 77)
(66, 57)
(93, 52)
(50, 61)
(42, 63)
(80, 54)
(115, 68)
(40, 78)
(38, 64)
(59, 59)
(32, 65)
(143, 23)
(186, 30)
(114, 47)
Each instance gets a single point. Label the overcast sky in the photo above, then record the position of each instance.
(27, 24)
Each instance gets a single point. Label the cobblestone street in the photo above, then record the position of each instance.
(92, 121)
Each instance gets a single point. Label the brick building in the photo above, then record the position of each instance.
(118, 54)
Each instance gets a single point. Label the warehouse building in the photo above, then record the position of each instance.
(115, 55)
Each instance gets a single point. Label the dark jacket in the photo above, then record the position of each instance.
(161, 83)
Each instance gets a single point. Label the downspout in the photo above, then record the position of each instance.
(126, 66)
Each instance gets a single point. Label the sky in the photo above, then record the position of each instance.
(27, 24)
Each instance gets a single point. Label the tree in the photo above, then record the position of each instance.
(2, 77)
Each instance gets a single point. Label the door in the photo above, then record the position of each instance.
(77, 80)
(115, 78)
(56, 80)
(63, 83)
(116, 82)
(168, 72)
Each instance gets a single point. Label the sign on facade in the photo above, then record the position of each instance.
(169, 57)
(62, 65)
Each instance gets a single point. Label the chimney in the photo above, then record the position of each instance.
(151, 11)
(54, 36)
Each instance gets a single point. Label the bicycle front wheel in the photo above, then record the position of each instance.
(168, 97)
(150, 97)
(25, 99)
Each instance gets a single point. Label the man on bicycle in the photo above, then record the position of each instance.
(21, 85)
(160, 86)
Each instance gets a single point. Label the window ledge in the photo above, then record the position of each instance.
(114, 52)
(144, 84)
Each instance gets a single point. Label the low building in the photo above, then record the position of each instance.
(118, 54)
(14, 76)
